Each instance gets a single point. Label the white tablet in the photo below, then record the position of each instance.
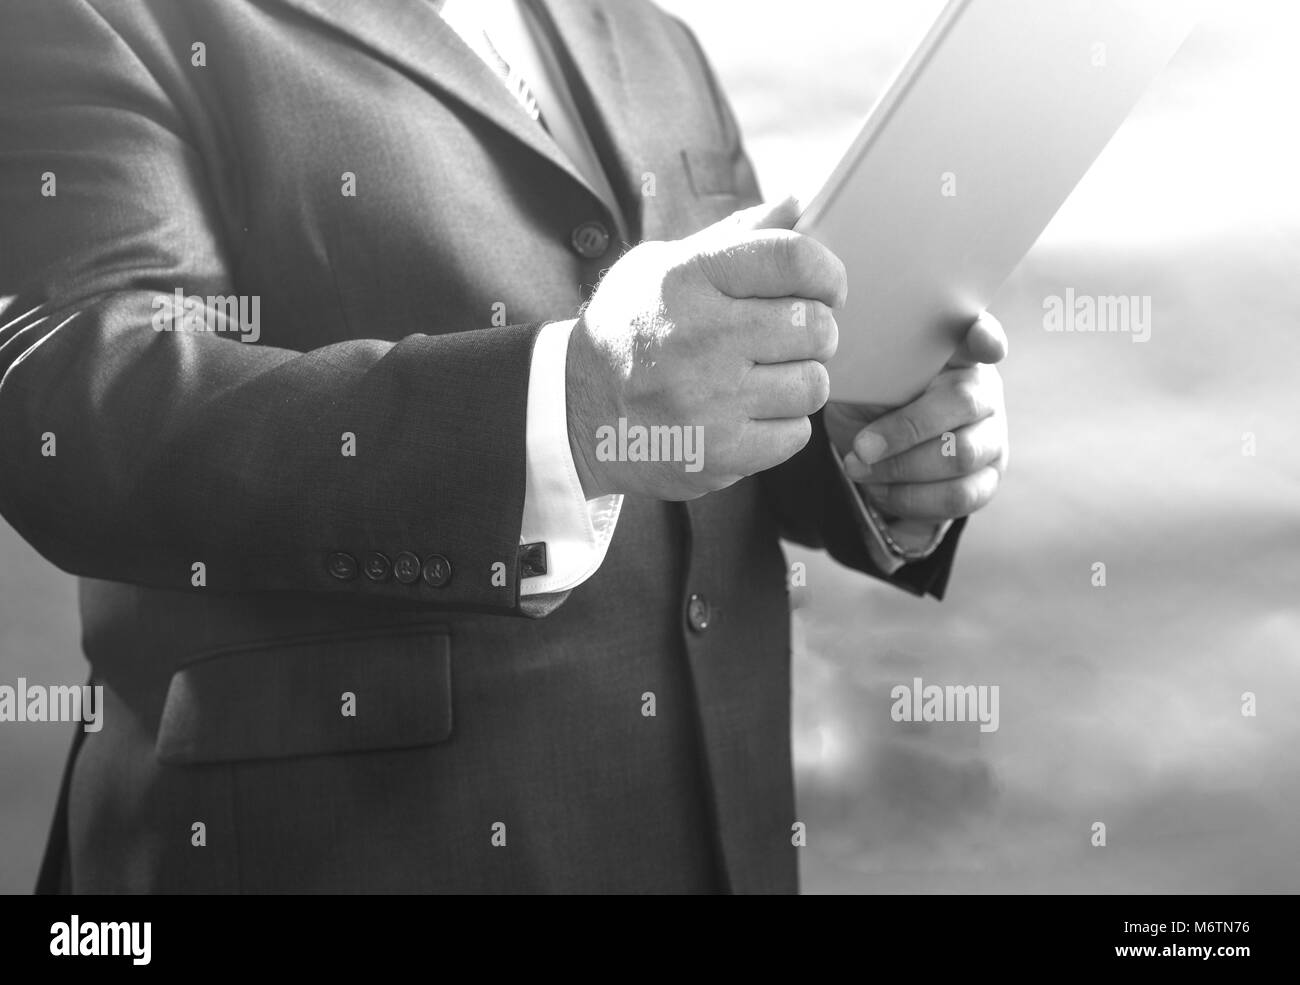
(963, 162)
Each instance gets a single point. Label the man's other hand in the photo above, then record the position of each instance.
(943, 455)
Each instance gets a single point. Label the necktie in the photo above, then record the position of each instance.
(459, 17)
(515, 82)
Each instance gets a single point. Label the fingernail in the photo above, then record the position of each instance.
(870, 446)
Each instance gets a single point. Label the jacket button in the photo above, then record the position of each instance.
(406, 568)
(377, 566)
(590, 240)
(341, 566)
(698, 613)
(437, 571)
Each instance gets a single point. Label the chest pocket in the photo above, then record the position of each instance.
(711, 172)
(310, 695)
(695, 187)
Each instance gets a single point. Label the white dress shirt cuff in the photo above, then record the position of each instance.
(575, 530)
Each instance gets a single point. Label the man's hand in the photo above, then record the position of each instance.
(943, 455)
(727, 331)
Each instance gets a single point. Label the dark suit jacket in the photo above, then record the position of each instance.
(224, 702)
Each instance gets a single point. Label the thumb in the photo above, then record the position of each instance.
(984, 342)
(777, 214)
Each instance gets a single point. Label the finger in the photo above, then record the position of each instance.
(766, 444)
(960, 401)
(949, 456)
(791, 329)
(775, 263)
(784, 390)
(945, 500)
(984, 342)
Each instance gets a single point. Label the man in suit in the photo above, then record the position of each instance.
(318, 318)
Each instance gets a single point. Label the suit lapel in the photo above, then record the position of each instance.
(413, 37)
(586, 42)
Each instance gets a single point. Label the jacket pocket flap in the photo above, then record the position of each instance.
(711, 172)
(309, 696)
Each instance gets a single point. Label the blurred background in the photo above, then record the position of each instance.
(1119, 704)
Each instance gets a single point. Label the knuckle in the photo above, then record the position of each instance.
(909, 429)
(711, 266)
(674, 275)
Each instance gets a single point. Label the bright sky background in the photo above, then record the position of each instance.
(1120, 704)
